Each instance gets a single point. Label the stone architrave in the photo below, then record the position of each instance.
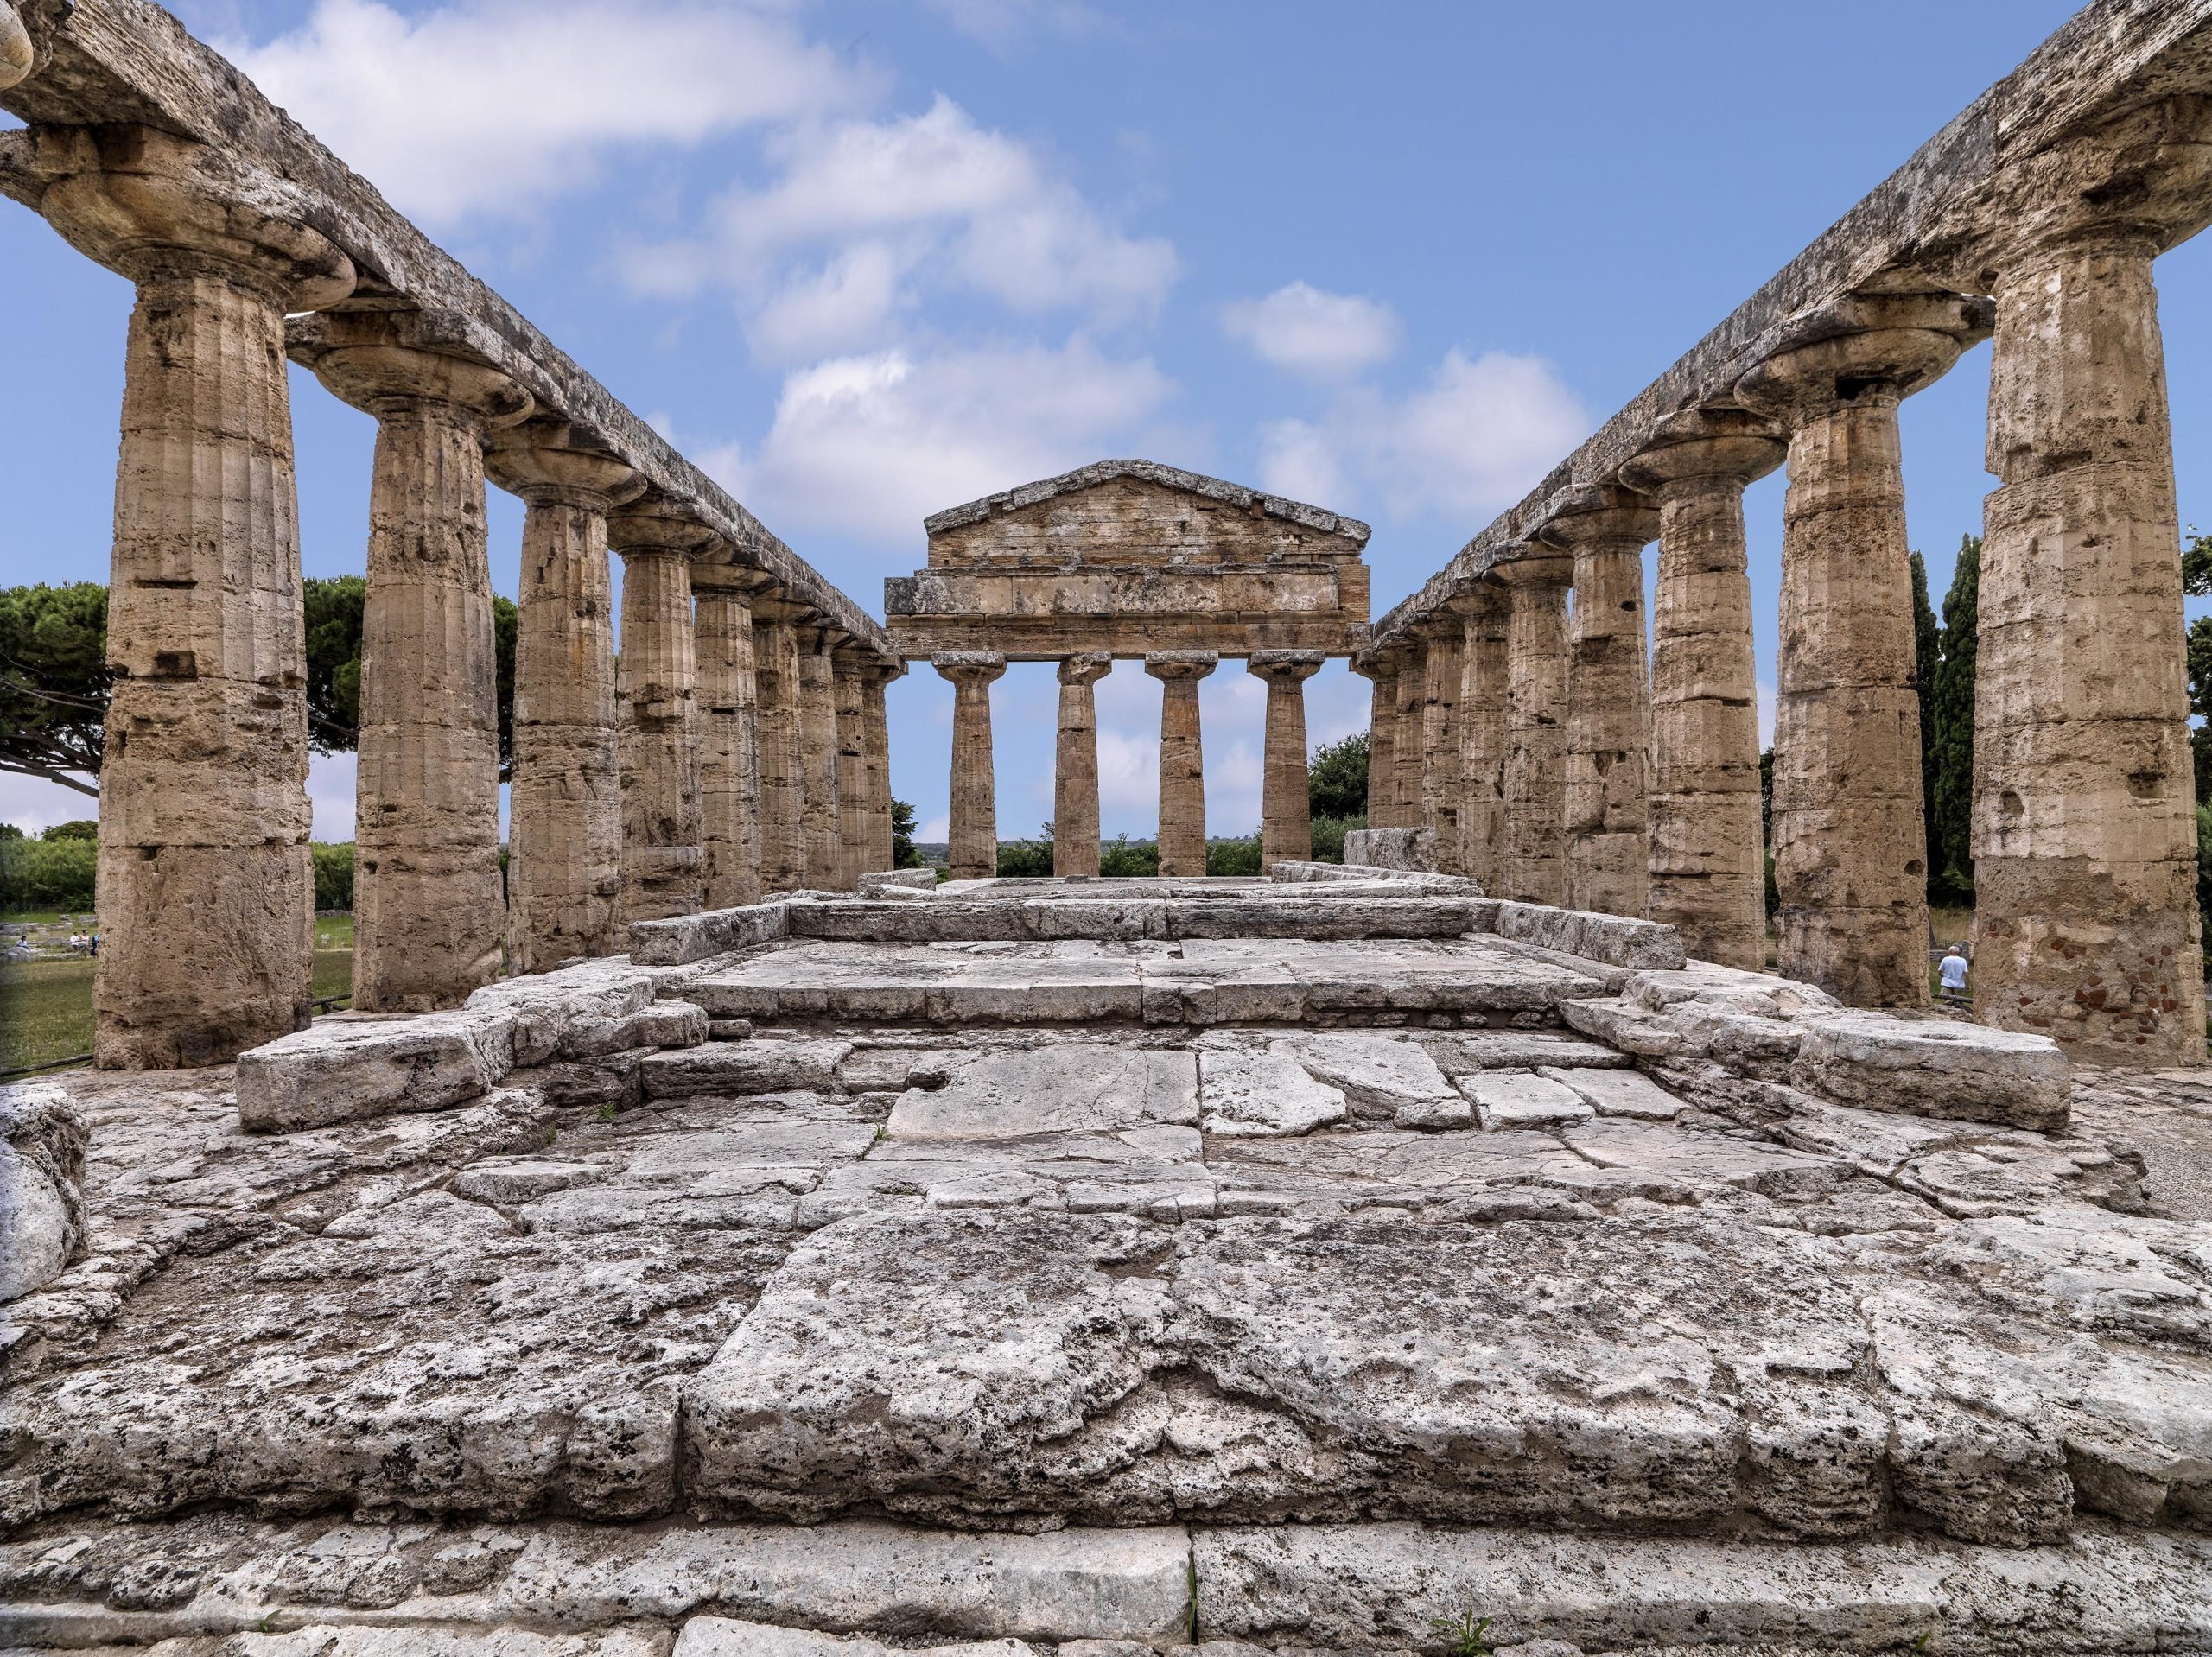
(729, 759)
(1850, 845)
(1075, 773)
(1444, 665)
(817, 745)
(1608, 705)
(1407, 730)
(430, 910)
(853, 835)
(782, 781)
(2086, 922)
(1285, 801)
(1182, 758)
(206, 892)
(874, 682)
(1708, 876)
(656, 688)
(1536, 728)
(1482, 736)
(564, 814)
(972, 851)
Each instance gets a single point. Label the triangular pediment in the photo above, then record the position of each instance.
(1145, 476)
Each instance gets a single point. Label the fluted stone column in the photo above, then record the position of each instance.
(207, 895)
(1408, 730)
(729, 745)
(1285, 802)
(878, 738)
(972, 851)
(783, 780)
(1536, 728)
(1075, 773)
(564, 811)
(854, 830)
(2086, 923)
(1380, 670)
(430, 907)
(17, 54)
(657, 689)
(1608, 705)
(1482, 736)
(1850, 845)
(817, 745)
(1708, 872)
(1182, 759)
(1443, 664)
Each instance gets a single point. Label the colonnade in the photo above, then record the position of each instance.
(1518, 720)
(735, 746)
(1286, 828)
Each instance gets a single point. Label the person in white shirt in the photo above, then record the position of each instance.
(1953, 972)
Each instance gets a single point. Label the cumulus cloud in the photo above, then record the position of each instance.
(497, 105)
(872, 444)
(861, 216)
(1307, 331)
(1472, 442)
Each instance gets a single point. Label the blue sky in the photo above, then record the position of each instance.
(865, 260)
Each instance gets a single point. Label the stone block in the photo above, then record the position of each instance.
(911, 879)
(1615, 940)
(1616, 1093)
(1391, 848)
(1050, 1089)
(355, 1066)
(664, 1024)
(1509, 1099)
(685, 938)
(723, 1636)
(1264, 1090)
(544, 1005)
(1935, 1066)
(753, 1066)
(42, 1141)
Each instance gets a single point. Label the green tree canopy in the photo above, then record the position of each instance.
(54, 682)
(903, 855)
(1950, 820)
(1927, 654)
(2196, 581)
(1336, 780)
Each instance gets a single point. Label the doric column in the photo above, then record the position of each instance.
(783, 780)
(1444, 662)
(1608, 705)
(564, 797)
(973, 849)
(1482, 736)
(854, 832)
(1536, 726)
(1286, 803)
(429, 909)
(657, 690)
(1850, 846)
(1708, 874)
(1380, 668)
(818, 746)
(729, 757)
(205, 892)
(878, 738)
(1182, 759)
(1075, 773)
(1408, 729)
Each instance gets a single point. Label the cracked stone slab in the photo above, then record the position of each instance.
(1264, 1090)
(1523, 1099)
(1618, 1093)
(1050, 1089)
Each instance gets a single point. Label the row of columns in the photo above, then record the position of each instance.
(1286, 828)
(1551, 764)
(680, 774)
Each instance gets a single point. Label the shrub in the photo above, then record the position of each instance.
(334, 875)
(1329, 836)
(1124, 858)
(1025, 859)
(81, 829)
(1335, 781)
(47, 873)
(1233, 854)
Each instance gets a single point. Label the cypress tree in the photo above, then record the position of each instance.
(1951, 816)
(1927, 653)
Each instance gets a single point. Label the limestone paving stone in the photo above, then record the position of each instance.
(42, 1186)
(1523, 1099)
(1050, 1089)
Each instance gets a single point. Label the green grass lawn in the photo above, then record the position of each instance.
(46, 1007)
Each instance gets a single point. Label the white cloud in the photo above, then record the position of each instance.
(330, 795)
(1471, 442)
(873, 444)
(1307, 331)
(1002, 23)
(495, 104)
(865, 214)
(34, 804)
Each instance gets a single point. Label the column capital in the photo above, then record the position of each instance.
(1285, 667)
(1181, 664)
(16, 57)
(1534, 565)
(1086, 668)
(150, 204)
(1695, 451)
(1896, 342)
(658, 528)
(544, 463)
(969, 667)
(1599, 517)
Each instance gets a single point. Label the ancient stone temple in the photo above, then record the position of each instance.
(711, 1240)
